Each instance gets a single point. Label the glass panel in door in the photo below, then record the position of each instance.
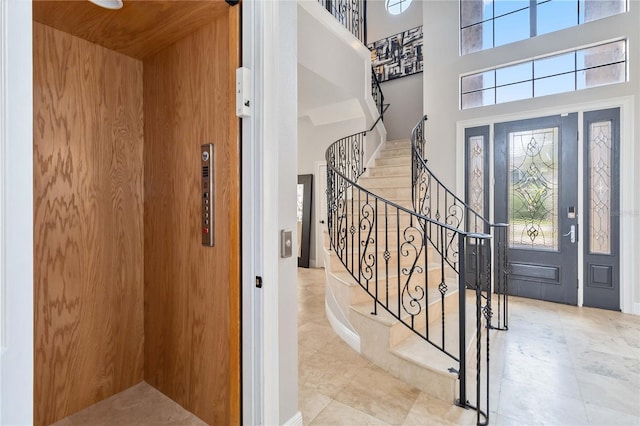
(536, 194)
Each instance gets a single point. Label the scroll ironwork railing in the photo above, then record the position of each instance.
(432, 198)
(414, 267)
(351, 14)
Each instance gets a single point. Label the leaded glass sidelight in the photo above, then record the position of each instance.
(533, 189)
(600, 187)
(476, 173)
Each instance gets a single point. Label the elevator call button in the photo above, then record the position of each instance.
(207, 174)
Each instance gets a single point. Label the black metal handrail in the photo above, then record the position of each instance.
(351, 14)
(432, 198)
(378, 96)
(386, 248)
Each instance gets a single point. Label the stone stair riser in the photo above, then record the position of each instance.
(399, 170)
(377, 349)
(393, 161)
(375, 182)
(395, 152)
(402, 143)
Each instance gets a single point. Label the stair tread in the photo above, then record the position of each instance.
(416, 350)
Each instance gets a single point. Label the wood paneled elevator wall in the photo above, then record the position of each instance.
(124, 291)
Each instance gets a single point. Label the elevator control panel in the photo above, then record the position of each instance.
(206, 160)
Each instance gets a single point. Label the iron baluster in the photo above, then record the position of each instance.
(462, 332)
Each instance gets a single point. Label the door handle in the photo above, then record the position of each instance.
(571, 234)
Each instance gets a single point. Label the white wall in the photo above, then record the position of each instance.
(269, 179)
(334, 92)
(280, 183)
(403, 94)
(313, 141)
(443, 66)
(16, 185)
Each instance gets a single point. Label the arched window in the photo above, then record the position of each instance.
(396, 7)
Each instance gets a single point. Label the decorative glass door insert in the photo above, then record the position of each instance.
(533, 189)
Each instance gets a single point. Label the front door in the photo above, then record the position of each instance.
(536, 193)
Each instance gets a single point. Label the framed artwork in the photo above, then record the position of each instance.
(398, 55)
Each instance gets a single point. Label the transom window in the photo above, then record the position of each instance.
(396, 7)
(576, 70)
(490, 23)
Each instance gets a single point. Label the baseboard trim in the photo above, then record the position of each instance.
(296, 420)
(349, 337)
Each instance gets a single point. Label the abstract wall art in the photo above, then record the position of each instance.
(398, 55)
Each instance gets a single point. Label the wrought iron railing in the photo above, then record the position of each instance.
(351, 14)
(413, 266)
(378, 96)
(432, 198)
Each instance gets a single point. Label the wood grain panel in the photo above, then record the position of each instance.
(141, 28)
(192, 292)
(88, 223)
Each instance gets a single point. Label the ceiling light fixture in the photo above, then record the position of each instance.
(108, 4)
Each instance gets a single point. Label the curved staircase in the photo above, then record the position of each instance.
(413, 273)
(383, 338)
(406, 290)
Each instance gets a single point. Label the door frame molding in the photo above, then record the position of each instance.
(269, 326)
(629, 220)
(251, 195)
(16, 191)
(318, 227)
(3, 142)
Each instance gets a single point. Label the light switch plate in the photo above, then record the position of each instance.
(286, 243)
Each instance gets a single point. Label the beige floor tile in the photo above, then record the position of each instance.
(379, 394)
(311, 404)
(337, 413)
(313, 336)
(531, 350)
(605, 416)
(431, 411)
(557, 364)
(138, 405)
(537, 404)
(608, 392)
(629, 331)
(556, 377)
(502, 420)
(623, 369)
(325, 374)
(579, 341)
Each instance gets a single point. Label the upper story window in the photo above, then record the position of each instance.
(396, 7)
(565, 72)
(490, 23)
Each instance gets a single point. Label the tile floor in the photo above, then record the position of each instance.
(139, 405)
(557, 365)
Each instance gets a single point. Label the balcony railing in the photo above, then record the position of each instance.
(351, 14)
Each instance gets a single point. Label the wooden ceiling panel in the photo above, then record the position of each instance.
(139, 29)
